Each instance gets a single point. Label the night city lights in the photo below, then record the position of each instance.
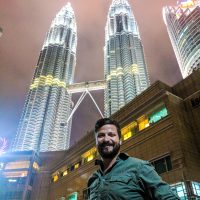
(3, 145)
(100, 100)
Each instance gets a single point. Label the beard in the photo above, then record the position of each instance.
(108, 154)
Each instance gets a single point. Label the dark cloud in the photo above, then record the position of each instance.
(25, 24)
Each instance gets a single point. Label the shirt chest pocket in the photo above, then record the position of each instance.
(120, 182)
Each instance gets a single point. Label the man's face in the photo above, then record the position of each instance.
(107, 141)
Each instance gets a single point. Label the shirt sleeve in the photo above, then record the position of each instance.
(153, 185)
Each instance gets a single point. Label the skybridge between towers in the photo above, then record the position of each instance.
(85, 88)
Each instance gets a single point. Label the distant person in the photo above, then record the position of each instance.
(121, 176)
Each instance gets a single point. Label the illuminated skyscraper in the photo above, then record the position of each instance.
(124, 64)
(183, 25)
(44, 123)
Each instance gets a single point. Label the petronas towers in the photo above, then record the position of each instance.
(124, 69)
(44, 124)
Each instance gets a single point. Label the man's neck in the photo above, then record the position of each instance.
(108, 163)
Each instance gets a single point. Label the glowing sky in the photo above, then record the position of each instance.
(25, 24)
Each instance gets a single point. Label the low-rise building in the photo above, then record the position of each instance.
(161, 125)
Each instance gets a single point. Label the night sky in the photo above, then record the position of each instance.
(25, 24)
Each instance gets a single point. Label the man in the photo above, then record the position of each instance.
(120, 176)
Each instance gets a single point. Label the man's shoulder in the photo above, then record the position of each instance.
(134, 161)
(138, 161)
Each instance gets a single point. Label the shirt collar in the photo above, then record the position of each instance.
(121, 156)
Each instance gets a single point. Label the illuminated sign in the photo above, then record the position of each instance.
(187, 3)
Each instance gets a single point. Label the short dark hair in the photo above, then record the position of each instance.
(103, 121)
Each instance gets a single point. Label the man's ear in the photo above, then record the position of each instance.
(120, 142)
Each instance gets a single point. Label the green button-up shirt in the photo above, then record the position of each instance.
(129, 178)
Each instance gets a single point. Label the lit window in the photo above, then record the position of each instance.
(65, 173)
(35, 166)
(73, 196)
(89, 155)
(127, 135)
(129, 130)
(89, 158)
(55, 178)
(17, 165)
(158, 115)
(196, 188)
(179, 189)
(76, 166)
(12, 180)
(143, 122)
(15, 174)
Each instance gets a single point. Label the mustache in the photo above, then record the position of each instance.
(106, 144)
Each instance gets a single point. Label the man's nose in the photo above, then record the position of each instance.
(106, 138)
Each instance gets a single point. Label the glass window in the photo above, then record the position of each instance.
(162, 165)
(143, 122)
(55, 178)
(76, 166)
(179, 189)
(129, 130)
(196, 188)
(17, 165)
(89, 155)
(73, 196)
(15, 174)
(158, 115)
(64, 173)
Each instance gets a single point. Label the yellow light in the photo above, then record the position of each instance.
(55, 178)
(65, 173)
(90, 152)
(128, 130)
(35, 166)
(47, 81)
(135, 69)
(127, 135)
(113, 72)
(76, 166)
(143, 122)
(91, 157)
(187, 4)
(108, 77)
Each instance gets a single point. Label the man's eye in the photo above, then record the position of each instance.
(112, 134)
(100, 135)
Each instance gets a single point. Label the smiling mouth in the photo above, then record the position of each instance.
(107, 145)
